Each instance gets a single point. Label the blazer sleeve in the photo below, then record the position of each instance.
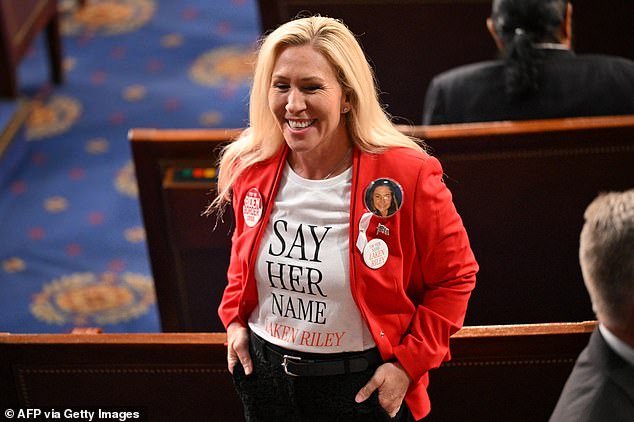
(448, 269)
(228, 311)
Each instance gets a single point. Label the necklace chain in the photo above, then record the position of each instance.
(551, 45)
(345, 157)
(336, 167)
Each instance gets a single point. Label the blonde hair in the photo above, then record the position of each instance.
(369, 125)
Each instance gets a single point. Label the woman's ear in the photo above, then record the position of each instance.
(345, 104)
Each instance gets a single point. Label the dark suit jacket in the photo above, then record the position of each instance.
(571, 85)
(600, 387)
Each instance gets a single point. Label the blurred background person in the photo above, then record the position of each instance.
(538, 75)
(601, 385)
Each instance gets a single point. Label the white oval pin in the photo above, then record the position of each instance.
(252, 207)
(375, 253)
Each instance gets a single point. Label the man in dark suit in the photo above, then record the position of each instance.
(538, 75)
(601, 385)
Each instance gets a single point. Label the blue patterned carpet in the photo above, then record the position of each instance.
(72, 242)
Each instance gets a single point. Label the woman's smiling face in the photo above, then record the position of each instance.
(307, 100)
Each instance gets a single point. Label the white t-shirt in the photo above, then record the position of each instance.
(302, 270)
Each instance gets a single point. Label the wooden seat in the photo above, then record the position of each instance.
(503, 373)
(20, 22)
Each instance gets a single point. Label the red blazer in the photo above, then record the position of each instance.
(418, 298)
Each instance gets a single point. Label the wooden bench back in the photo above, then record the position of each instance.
(189, 258)
(520, 187)
(497, 373)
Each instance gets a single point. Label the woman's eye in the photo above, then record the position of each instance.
(312, 88)
(280, 86)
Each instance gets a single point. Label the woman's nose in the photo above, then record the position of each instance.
(295, 102)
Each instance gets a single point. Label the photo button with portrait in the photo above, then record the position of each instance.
(383, 197)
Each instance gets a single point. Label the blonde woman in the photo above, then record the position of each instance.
(333, 312)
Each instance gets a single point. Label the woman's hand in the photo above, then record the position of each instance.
(392, 382)
(238, 347)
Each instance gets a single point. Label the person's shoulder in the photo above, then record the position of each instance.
(583, 398)
(260, 169)
(406, 159)
(400, 153)
(469, 71)
(604, 57)
(608, 403)
(467, 80)
(605, 60)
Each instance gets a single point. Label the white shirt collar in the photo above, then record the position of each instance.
(621, 348)
(551, 46)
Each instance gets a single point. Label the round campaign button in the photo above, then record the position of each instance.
(383, 197)
(375, 253)
(252, 207)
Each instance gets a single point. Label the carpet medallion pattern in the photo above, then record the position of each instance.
(72, 243)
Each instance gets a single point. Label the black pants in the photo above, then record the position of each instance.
(268, 394)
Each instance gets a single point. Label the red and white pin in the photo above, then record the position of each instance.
(252, 207)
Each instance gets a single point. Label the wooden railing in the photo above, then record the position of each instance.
(512, 372)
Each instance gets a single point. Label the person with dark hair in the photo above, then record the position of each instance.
(537, 76)
(332, 312)
(601, 385)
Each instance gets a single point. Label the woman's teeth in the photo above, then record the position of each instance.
(296, 124)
